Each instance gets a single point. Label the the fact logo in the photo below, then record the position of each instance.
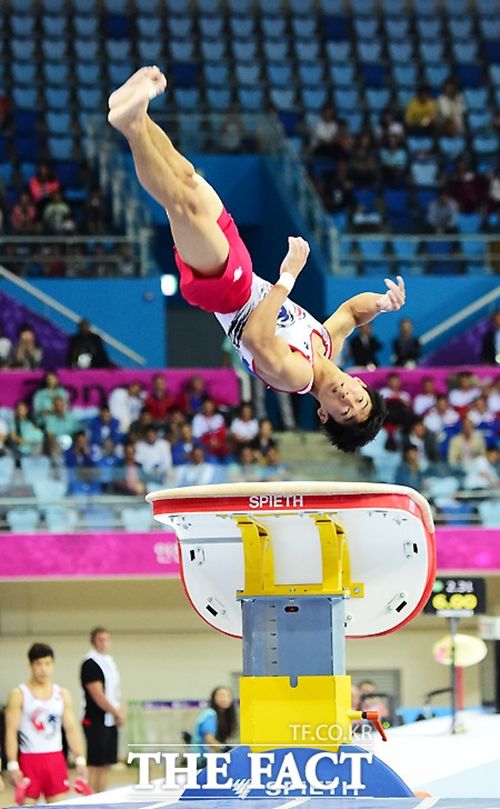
(271, 773)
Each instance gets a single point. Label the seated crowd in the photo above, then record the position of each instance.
(140, 440)
(444, 443)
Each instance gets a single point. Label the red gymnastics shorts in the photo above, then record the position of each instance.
(47, 772)
(229, 291)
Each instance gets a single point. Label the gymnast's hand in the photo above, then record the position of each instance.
(296, 258)
(394, 298)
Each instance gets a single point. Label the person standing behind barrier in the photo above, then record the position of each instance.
(103, 709)
(215, 725)
(35, 714)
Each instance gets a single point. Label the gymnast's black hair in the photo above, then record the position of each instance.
(350, 437)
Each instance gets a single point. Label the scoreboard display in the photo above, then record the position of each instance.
(457, 597)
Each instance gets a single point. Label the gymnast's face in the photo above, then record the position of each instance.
(346, 400)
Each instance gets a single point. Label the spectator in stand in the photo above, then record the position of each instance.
(392, 391)
(465, 446)
(108, 460)
(464, 393)
(210, 428)
(160, 402)
(389, 124)
(409, 472)
(424, 401)
(263, 441)
(484, 420)
(363, 347)
(181, 449)
(104, 426)
(193, 396)
(25, 354)
(137, 430)
(155, 456)
(494, 397)
(129, 477)
(126, 403)
(176, 421)
(406, 347)
(95, 212)
(490, 346)
(273, 468)
(125, 264)
(25, 438)
(59, 426)
(344, 141)
(232, 132)
(4, 435)
(394, 161)
(244, 427)
(197, 471)
(245, 468)
(79, 455)
(336, 189)
(442, 415)
(364, 161)
(42, 185)
(467, 187)
(442, 213)
(86, 349)
(426, 443)
(325, 132)
(5, 347)
(451, 110)
(421, 112)
(55, 213)
(43, 400)
(399, 412)
(483, 471)
(24, 216)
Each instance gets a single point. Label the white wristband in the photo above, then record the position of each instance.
(80, 761)
(286, 280)
(12, 766)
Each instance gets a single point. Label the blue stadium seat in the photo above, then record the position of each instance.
(332, 7)
(275, 50)
(23, 25)
(151, 7)
(118, 49)
(58, 123)
(310, 73)
(461, 27)
(377, 98)
(485, 144)
(61, 148)
(478, 121)
(244, 50)
(338, 51)
(346, 99)
(273, 27)
(458, 7)
(424, 172)
(86, 50)
(470, 75)
(270, 6)
(419, 144)
(279, 74)
(394, 7)
(119, 72)
(242, 25)
(150, 50)
(436, 74)
(23, 49)
(54, 25)
(23, 519)
(211, 26)
(431, 52)
(148, 27)
(429, 28)
(465, 52)
(53, 6)
(342, 75)
(6, 171)
(240, 6)
(369, 50)
(84, 6)
(451, 148)
(355, 119)
(289, 119)
(366, 197)
(366, 27)
(25, 121)
(335, 28)
(88, 73)
(302, 6)
(27, 147)
(24, 72)
(400, 52)
(307, 50)
(374, 74)
(426, 8)
(492, 50)
(490, 27)
(186, 98)
(487, 7)
(494, 73)
(405, 75)
(55, 50)
(251, 98)
(304, 27)
(397, 27)
(216, 73)
(283, 98)
(185, 74)
(209, 6)
(118, 26)
(473, 247)
(86, 26)
(56, 72)
(405, 248)
(477, 99)
(218, 98)
(313, 98)
(90, 98)
(57, 98)
(181, 50)
(179, 25)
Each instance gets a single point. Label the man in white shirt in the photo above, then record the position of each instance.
(155, 455)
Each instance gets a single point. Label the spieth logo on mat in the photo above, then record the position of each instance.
(276, 501)
(266, 774)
